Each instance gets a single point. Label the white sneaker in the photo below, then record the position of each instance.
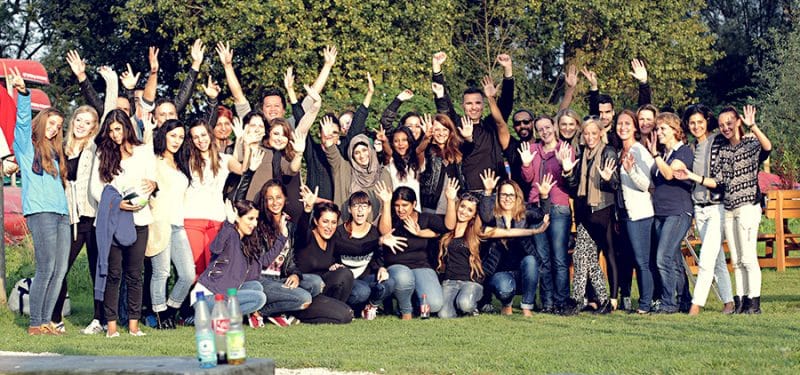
(93, 328)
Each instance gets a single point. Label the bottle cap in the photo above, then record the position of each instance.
(424, 296)
(231, 291)
(200, 295)
(219, 297)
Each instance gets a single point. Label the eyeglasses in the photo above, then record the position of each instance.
(521, 122)
(360, 206)
(508, 196)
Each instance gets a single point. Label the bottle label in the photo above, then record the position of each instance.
(425, 310)
(206, 352)
(235, 342)
(220, 326)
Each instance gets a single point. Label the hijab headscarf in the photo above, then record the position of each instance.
(363, 177)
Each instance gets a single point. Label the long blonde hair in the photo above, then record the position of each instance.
(472, 236)
(79, 144)
(518, 212)
(49, 151)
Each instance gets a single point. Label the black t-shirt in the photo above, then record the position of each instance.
(416, 254)
(457, 260)
(361, 255)
(308, 255)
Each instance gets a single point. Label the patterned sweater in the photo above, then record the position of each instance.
(740, 172)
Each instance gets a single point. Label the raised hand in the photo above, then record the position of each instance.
(412, 226)
(564, 156)
(489, 180)
(225, 53)
(14, 78)
(238, 128)
(329, 53)
(256, 157)
(198, 51)
(505, 61)
(149, 122)
(427, 124)
(108, 74)
(438, 89)
(327, 128)
(283, 224)
(638, 70)
(308, 197)
(299, 141)
(405, 95)
(230, 213)
(437, 60)
(211, 89)
(571, 77)
(652, 146)
(628, 162)
(129, 79)
(591, 77)
(466, 128)
(394, 243)
(370, 84)
(383, 192)
(607, 170)
(288, 79)
(77, 65)
(525, 154)
(749, 118)
(152, 57)
(451, 191)
(488, 87)
(545, 185)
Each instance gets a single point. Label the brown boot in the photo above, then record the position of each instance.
(694, 310)
(729, 308)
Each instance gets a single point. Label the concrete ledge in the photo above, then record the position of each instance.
(125, 365)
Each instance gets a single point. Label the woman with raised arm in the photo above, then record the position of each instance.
(38, 145)
(707, 196)
(440, 153)
(512, 266)
(742, 157)
(672, 204)
(634, 202)
(122, 183)
(168, 242)
(412, 269)
(209, 169)
(595, 179)
(556, 158)
(358, 247)
(411, 120)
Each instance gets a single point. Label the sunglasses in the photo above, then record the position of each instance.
(522, 122)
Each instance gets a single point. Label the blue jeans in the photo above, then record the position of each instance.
(524, 281)
(51, 239)
(459, 296)
(281, 299)
(552, 248)
(670, 231)
(312, 283)
(179, 252)
(250, 295)
(639, 232)
(419, 280)
(370, 290)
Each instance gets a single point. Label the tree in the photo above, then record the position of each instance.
(779, 108)
(23, 35)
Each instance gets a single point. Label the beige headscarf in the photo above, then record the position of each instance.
(363, 178)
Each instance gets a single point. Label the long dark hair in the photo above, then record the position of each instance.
(110, 153)
(196, 160)
(403, 163)
(267, 228)
(251, 246)
(181, 156)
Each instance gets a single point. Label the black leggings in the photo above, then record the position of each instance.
(338, 284)
(600, 225)
(325, 310)
(85, 236)
(130, 261)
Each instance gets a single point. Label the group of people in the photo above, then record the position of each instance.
(443, 212)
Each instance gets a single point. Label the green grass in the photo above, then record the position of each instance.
(488, 344)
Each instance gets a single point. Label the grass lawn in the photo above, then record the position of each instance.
(488, 344)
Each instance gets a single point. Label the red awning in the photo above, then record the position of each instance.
(32, 71)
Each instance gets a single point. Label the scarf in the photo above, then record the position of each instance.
(363, 178)
(589, 186)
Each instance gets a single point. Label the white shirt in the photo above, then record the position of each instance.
(141, 165)
(203, 199)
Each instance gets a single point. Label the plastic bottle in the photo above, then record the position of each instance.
(235, 336)
(424, 308)
(221, 323)
(206, 350)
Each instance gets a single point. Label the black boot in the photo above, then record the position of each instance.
(604, 308)
(745, 304)
(755, 306)
(737, 305)
(165, 319)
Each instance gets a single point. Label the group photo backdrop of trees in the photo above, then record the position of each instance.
(717, 52)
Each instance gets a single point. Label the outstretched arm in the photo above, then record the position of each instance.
(503, 135)
(149, 95)
(187, 86)
(226, 57)
(571, 80)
